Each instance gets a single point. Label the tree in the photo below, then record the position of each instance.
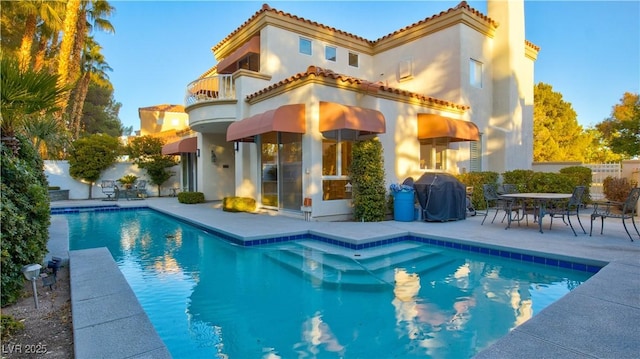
(621, 131)
(24, 94)
(45, 10)
(93, 69)
(146, 152)
(100, 113)
(89, 156)
(72, 12)
(557, 136)
(599, 152)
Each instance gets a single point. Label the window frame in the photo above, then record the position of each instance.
(335, 53)
(476, 75)
(342, 158)
(301, 48)
(441, 155)
(356, 57)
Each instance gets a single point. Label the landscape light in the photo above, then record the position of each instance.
(31, 272)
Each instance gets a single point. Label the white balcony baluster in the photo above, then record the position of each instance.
(219, 87)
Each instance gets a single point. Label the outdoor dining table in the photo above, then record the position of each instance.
(540, 200)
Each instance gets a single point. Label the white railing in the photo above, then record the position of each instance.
(599, 172)
(219, 87)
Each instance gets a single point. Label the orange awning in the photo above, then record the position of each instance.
(436, 126)
(287, 118)
(188, 145)
(251, 46)
(334, 116)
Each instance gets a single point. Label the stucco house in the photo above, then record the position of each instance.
(277, 116)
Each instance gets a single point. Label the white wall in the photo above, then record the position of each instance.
(57, 173)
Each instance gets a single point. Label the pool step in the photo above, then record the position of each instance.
(369, 268)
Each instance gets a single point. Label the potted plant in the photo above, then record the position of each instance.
(128, 181)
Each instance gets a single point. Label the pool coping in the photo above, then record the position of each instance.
(566, 328)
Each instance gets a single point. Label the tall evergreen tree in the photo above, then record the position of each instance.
(557, 136)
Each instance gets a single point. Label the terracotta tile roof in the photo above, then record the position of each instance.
(267, 8)
(314, 71)
(462, 5)
(163, 107)
(531, 45)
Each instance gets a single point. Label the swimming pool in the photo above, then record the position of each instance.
(210, 298)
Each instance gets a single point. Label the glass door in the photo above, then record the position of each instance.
(290, 155)
(269, 166)
(281, 166)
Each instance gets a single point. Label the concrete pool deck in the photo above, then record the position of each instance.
(599, 319)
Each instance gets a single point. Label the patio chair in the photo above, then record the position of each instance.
(109, 188)
(496, 203)
(568, 208)
(141, 188)
(611, 209)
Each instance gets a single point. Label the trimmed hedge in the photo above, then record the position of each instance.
(238, 204)
(477, 180)
(191, 197)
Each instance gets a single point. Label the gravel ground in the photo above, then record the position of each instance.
(48, 331)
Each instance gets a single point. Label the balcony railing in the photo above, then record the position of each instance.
(219, 87)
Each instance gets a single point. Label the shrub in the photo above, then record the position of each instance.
(367, 176)
(477, 180)
(617, 189)
(25, 216)
(191, 197)
(580, 176)
(238, 204)
(9, 326)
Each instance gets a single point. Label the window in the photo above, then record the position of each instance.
(475, 156)
(305, 46)
(353, 59)
(404, 69)
(475, 73)
(330, 53)
(337, 154)
(433, 154)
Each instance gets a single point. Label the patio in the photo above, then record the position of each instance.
(598, 319)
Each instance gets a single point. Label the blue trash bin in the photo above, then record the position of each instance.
(403, 206)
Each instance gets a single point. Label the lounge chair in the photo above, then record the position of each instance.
(611, 209)
(568, 208)
(109, 188)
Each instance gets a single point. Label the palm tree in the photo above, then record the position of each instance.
(35, 10)
(66, 46)
(93, 69)
(22, 94)
(48, 136)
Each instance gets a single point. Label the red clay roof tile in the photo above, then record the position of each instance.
(364, 84)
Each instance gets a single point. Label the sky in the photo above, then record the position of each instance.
(589, 50)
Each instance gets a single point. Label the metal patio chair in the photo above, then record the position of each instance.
(109, 188)
(611, 209)
(568, 208)
(496, 203)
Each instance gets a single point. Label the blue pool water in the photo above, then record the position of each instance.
(208, 298)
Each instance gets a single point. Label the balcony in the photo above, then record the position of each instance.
(211, 103)
(214, 88)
